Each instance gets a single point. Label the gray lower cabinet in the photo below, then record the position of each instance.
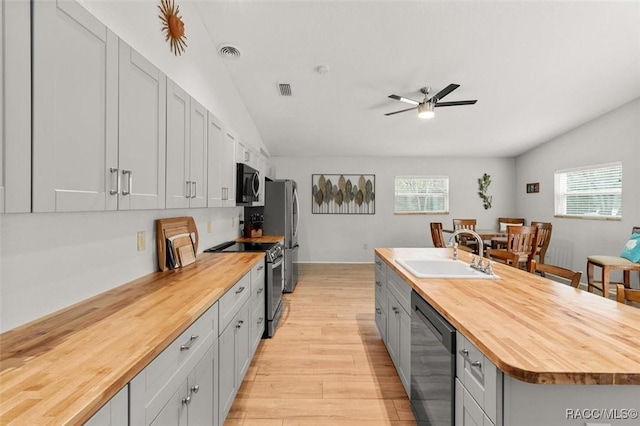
(235, 342)
(113, 413)
(392, 307)
(478, 386)
(181, 381)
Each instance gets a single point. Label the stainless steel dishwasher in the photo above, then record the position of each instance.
(433, 365)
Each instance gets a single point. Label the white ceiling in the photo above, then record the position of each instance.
(537, 68)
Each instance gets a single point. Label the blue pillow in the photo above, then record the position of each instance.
(631, 250)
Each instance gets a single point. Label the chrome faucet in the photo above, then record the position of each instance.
(470, 232)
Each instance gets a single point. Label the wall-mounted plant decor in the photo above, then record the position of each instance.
(173, 26)
(483, 187)
(343, 194)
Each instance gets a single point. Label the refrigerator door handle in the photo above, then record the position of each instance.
(295, 197)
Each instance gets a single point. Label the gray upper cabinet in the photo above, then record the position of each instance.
(186, 149)
(221, 172)
(141, 133)
(15, 106)
(75, 109)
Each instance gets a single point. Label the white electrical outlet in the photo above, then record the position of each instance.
(141, 241)
(208, 227)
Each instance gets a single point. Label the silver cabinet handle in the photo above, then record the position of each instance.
(464, 353)
(195, 388)
(190, 343)
(260, 268)
(477, 364)
(240, 290)
(114, 170)
(188, 190)
(378, 283)
(130, 181)
(194, 192)
(239, 325)
(260, 290)
(378, 311)
(260, 320)
(186, 400)
(396, 310)
(378, 263)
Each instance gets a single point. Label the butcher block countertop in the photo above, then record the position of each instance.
(62, 368)
(534, 329)
(262, 239)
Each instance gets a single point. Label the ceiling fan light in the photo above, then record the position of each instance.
(425, 110)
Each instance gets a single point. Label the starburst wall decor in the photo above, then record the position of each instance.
(173, 26)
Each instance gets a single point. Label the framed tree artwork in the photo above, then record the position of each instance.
(343, 194)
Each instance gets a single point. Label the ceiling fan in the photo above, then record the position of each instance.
(425, 108)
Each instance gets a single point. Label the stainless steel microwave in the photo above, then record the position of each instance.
(247, 185)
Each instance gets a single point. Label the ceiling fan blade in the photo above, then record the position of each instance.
(441, 104)
(406, 100)
(444, 92)
(402, 110)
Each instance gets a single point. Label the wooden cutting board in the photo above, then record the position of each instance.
(166, 228)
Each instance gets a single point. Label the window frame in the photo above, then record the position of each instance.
(444, 194)
(561, 195)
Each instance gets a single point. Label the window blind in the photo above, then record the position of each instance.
(591, 191)
(421, 194)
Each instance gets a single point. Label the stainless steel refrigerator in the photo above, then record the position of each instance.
(281, 217)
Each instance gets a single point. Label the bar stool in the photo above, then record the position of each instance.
(608, 264)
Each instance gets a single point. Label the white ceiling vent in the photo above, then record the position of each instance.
(228, 51)
(285, 89)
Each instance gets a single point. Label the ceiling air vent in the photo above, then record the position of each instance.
(285, 89)
(228, 51)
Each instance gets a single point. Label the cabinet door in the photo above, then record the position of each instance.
(201, 391)
(113, 413)
(215, 139)
(404, 349)
(229, 169)
(227, 371)
(243, 343)
(175, 412)
(381, 320)
(142, 134)
(2, 49)
(178, 124)
(75, 108)
(198, 156)
(393, 328)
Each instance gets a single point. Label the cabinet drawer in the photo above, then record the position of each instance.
(479, 376)
(233, 299)
(381, 268)
(381, 287)
(400, 289)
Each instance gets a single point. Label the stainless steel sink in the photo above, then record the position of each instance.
(443, 268)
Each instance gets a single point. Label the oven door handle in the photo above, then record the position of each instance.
(278, 263)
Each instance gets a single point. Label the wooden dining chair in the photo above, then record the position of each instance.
(544, 238)
(436, 234)
(503, 222)
(503, 256)
(543, 269)
(465, 240)
(522, 240)
(606, 265)
(628, 296)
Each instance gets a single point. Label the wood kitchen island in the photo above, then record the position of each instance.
(557, 347)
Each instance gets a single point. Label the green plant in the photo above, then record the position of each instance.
(483, 186)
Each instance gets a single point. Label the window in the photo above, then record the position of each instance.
(589, 192)
(422, 194)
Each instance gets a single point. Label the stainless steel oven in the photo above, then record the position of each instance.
(433, 365)
(274, 276)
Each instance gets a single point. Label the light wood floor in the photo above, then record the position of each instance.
(327, 364)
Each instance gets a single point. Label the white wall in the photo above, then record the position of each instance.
(50, 261)
(612, 137)
(329, 238)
